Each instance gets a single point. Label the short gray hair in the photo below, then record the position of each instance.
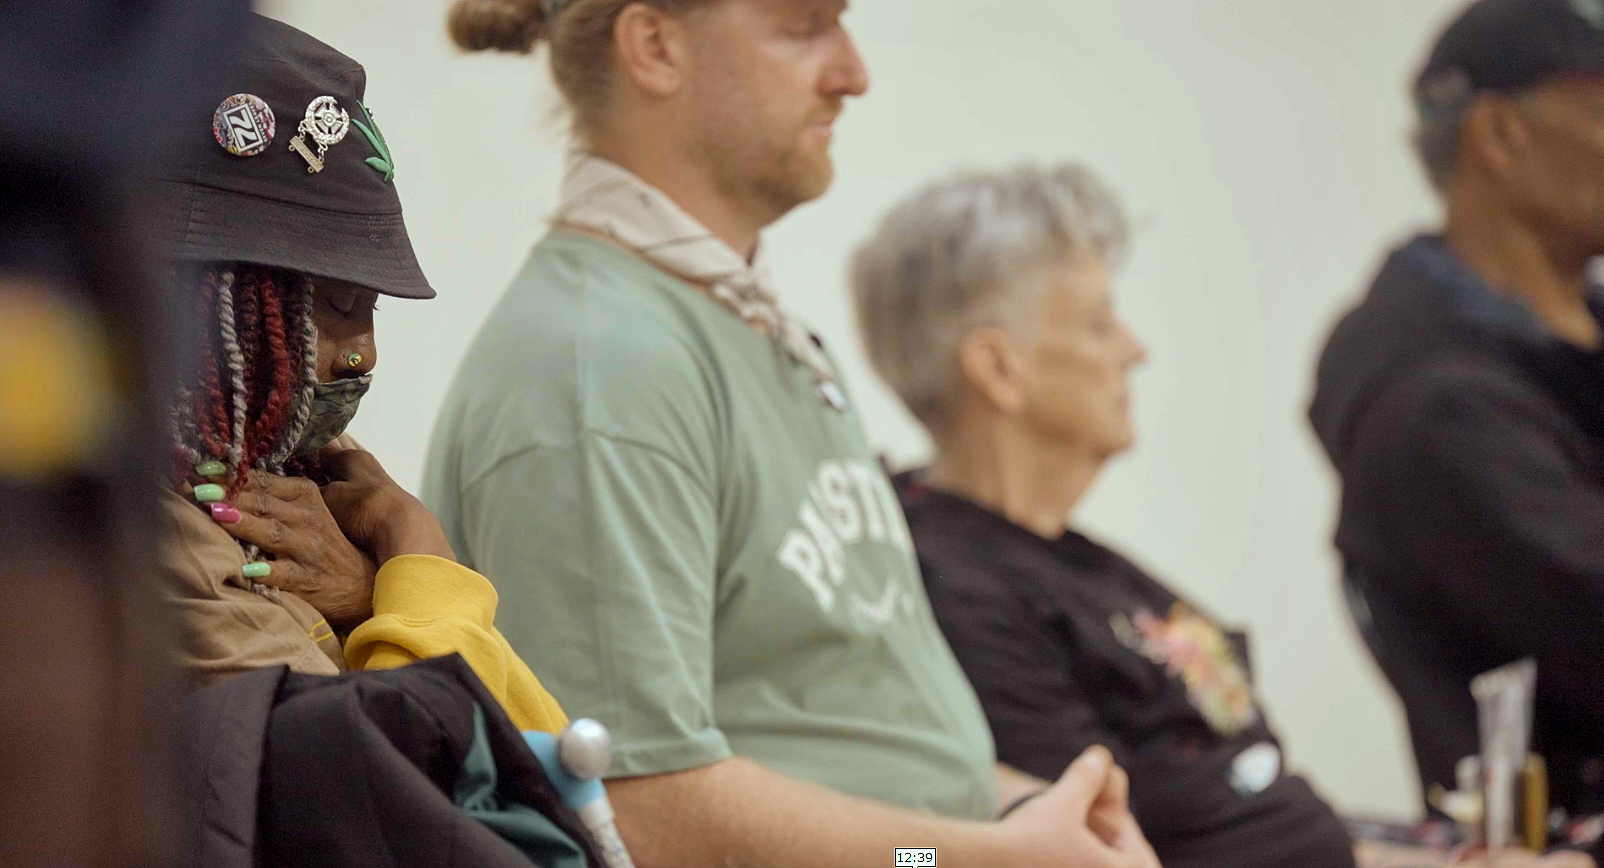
(966, 252)
(1444, 102)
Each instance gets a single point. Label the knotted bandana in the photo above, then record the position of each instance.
(606, 198)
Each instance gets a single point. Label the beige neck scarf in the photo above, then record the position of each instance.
(607, 199)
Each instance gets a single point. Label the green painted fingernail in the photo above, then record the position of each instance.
(256, 571)
(211, 469)
(209, 493)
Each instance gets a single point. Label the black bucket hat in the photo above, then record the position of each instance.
(291, 171)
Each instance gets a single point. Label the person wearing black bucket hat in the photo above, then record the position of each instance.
(298, 176)
(1462, 403)
(283, 227)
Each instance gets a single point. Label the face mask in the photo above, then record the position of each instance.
(333, 406)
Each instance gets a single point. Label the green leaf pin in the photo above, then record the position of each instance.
(383, 163)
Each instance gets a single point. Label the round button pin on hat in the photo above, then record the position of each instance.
(244, 125)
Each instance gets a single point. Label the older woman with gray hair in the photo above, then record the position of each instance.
(985, 302)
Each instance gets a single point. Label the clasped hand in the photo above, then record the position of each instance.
(328, 542)
(1083, 820)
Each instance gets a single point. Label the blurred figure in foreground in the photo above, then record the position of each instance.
(1462, 402)
(87, 93)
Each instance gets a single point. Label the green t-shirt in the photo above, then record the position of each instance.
(691, 547)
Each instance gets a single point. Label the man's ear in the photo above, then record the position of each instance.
(649, 46)
(992, 367)
(1495, 134)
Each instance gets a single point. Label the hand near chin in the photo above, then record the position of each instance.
(312, 558)
(376, 513)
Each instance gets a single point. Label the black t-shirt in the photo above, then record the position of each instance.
(1070, 645)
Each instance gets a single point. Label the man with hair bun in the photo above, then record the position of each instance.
(669, 482)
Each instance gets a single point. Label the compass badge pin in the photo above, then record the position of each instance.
(327, 124)
(244, 125)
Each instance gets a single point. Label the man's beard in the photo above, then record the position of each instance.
(791, 177)
(775, 173)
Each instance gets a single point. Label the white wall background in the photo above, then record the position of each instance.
(1264, 143)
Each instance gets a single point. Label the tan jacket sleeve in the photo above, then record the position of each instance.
(426, 607)
(224, 627)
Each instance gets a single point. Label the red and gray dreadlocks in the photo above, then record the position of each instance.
(246, 404)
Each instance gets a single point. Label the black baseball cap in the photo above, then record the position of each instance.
(1506, 46)
(290, 170)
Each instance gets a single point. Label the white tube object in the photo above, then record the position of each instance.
(584, 750)
(598, 818)
(1504, 700)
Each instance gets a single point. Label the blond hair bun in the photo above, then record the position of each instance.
(497, 25)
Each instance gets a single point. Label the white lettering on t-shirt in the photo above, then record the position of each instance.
(848, 503)
(800, 555)
(864, 475)
(895, 522)
(834, 555)
(838, 502)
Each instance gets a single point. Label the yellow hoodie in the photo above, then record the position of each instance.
(423, 607)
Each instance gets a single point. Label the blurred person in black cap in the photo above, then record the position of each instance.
(1462, 402)
(87, 93)
(287, 543)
